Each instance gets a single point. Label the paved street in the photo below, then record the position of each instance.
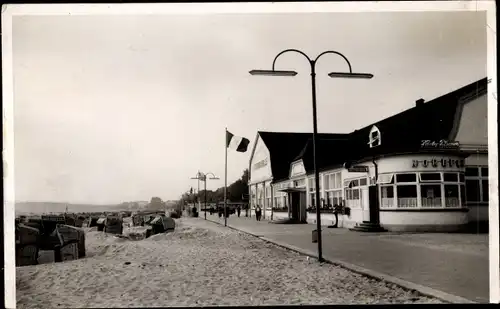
(453, 263)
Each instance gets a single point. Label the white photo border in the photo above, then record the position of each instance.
(10, 10)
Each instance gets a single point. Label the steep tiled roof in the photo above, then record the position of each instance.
(284, 148)
(330, 152)
(404, 132)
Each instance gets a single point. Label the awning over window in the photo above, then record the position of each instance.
(385, 179)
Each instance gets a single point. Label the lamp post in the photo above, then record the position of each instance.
(312, 64)
(198, 177)
(205, 182)
(203, 177)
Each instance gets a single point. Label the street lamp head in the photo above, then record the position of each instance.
(350, 75)
(272, 73)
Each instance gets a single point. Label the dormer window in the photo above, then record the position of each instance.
(374, 139)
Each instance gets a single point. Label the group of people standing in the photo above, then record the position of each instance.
(227, 212)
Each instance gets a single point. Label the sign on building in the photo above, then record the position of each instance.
(442, 144)
(358, 169)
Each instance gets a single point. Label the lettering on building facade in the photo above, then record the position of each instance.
(442, 144)
(459, 163)
(260, 164)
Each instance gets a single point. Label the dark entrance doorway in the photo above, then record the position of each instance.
(295, 205)
(373, 204)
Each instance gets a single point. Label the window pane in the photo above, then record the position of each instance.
(387, 191)
(406, 177)
(338, 180)
(337, 199)
(472, 190)
(362, 182)
(462, 177)
(451, 196)
(332, 181)
(484, 171)
(430, 177)
(407, 196)
(486, 192)
(355, 194)
(462, 195)
(355, 183)
(471, 171)
(451, 177)
(387, 194)
(327, 181)
(431, 195)
(385, 179)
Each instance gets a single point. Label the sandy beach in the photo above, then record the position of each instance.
(199, 264)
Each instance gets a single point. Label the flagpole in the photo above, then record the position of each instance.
(225, 177)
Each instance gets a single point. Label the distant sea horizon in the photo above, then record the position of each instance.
(26, 208)
(23, 207)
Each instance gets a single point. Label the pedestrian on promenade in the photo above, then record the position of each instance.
(258, 212)
(238, 210)
(220, 212)
(246, 210)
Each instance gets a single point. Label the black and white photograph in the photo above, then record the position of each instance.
(250, 154)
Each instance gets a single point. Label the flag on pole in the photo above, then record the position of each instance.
(240, 144)
(237, 143)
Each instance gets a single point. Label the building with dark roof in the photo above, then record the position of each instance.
(424, 169)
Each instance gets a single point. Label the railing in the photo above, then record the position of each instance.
(425, 202)
(387, 202)
(452, 202)
(432, 202)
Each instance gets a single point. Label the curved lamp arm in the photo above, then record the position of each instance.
(290, 50)
(212, 174)
(336, 53)
(311, 62)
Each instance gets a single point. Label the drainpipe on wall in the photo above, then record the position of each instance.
(272, 201)
(377, 213)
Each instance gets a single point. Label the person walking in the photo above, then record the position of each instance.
(258, 212)
(238, 210)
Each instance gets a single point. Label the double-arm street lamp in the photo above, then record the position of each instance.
(203, 177)
(312, 63)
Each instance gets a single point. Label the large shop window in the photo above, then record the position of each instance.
(407, 196)
(334, 198)
(431, 195)
(313, 199)
(333, 190)
(353, 191)
(312, 184)
(426, 190)
(476, 184)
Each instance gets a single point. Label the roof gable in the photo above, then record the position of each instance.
(405, 131)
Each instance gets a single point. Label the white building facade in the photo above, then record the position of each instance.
(441, 187)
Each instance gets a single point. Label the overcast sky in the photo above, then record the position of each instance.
(122, 108)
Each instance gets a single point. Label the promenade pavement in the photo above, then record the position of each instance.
(456, 264)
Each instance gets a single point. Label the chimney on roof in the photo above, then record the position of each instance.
(419, 102)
